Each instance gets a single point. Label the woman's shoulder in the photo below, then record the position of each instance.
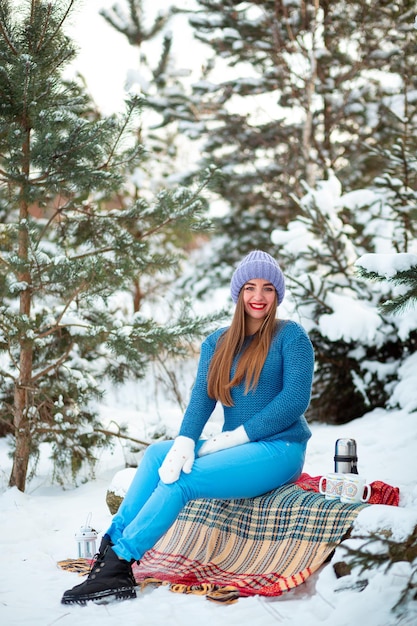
(212, 338)
(288, 330)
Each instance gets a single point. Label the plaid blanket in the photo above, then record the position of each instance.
(265, 545)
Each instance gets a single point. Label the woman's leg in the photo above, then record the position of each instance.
(141, 488)
(242, 472)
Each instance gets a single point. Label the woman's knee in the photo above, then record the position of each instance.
(156, 451)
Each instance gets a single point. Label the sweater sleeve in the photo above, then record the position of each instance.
(288, 406)
(200, 406)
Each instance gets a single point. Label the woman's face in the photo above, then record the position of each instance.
(258, 299)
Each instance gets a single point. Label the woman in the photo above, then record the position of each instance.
(260, 369)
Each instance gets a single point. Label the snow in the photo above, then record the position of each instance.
(405, 392)
(387, 265)
(351, 319)
(39, 527)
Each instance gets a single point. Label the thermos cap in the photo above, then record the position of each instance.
(345, 459)
(345, 446)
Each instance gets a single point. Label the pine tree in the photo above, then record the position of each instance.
(379, 550)
(159, 81)
(293, 91)
(400, 269)
(398, 183)
(68, 254)
(312, 90)
(292, 95)
(359, 347)
(165, 103)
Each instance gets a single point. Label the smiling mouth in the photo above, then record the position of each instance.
(257, 307)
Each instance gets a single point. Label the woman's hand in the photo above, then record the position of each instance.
(179, 458)
(226, 439)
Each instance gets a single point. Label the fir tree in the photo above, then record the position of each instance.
(398, 183)
(379, 550)
(359, 347)
(401, 272)
(311, 90)
(165, 104)
(293, 94)
(68, 255)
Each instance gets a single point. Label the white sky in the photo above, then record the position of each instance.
(105, 56)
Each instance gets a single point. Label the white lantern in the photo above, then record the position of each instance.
(86, 540)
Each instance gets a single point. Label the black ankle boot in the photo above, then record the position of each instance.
(110, 579)
(105, 541)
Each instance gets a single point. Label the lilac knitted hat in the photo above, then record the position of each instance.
(258, 264)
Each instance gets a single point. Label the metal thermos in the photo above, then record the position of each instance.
(345, 457)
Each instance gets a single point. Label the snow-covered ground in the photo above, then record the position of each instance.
(38, 529)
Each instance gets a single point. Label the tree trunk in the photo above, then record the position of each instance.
(23, 401)
(307, 138)
(23, 392)
(22, 423)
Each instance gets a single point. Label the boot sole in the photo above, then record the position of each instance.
(101, 597)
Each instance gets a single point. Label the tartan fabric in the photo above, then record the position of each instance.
(265, 545)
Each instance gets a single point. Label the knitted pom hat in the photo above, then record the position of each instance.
(258, 264)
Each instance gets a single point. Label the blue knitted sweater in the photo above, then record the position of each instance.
(275, 409)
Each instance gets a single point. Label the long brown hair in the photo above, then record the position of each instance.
(251, 360)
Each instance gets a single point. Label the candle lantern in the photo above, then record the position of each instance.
(86, 540)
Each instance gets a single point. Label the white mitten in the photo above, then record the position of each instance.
(226, 439)
(180, 457)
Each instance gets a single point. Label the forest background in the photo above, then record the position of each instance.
(295, 132)
(296, 135)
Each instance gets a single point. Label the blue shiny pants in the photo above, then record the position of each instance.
(150, 506)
